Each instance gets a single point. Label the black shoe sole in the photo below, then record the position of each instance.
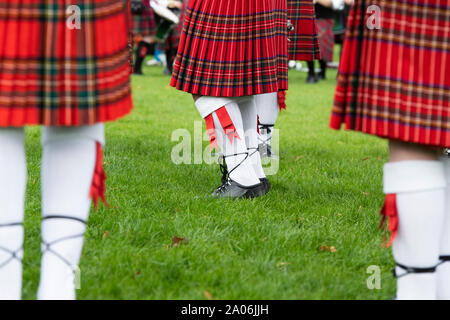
(312, 79)
(255, 192)
(266, 185)
(248, 192)
(260, 190)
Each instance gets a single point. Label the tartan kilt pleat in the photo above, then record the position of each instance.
(326, 38)
(57, 74)
(233, 48)
(303, 40)
(144, 24)
(394, 80)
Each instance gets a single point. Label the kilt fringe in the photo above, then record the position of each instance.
(98, 186)
(390, 212)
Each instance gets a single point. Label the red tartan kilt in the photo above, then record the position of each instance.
(326, 38)
(233, 48)
(57, 76)
(303, 40)
(394, 82)
(144, 24)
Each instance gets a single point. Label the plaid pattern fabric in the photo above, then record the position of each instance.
(394, 82)
(326, 38)
(233, 48)
(54, 75)
(144, 24)
(304, 43)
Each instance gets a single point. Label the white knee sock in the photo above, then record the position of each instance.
(68, 163)
(443, 271)
(13, 176)
(250, 122)
(233, 148)
(419, 187)
(268, 109)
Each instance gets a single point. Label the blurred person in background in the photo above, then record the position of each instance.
(303, 45)
(144, 30)
(326, 12)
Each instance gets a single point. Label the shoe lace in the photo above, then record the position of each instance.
(14, 254)
(267, 128)
(224, 168)
(223, 187)
(409, 270)
(48, 245)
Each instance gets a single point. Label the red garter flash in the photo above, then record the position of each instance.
(390, 211)
(143, 52)
(227, 124)
(98, 187)
(257, 124)
(282, 99)
(211, 130)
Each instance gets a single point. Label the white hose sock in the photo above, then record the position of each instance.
(250, 122)
(419, 187)
(13, 176)
(443, 271)
(68, 163)
(267, 109)
(232, 144)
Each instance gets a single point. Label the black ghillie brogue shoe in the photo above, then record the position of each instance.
(266, 185)
(230, 189)
(233, 190)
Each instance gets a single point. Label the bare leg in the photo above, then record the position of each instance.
(401, 151)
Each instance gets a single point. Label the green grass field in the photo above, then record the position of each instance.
(327, 193)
